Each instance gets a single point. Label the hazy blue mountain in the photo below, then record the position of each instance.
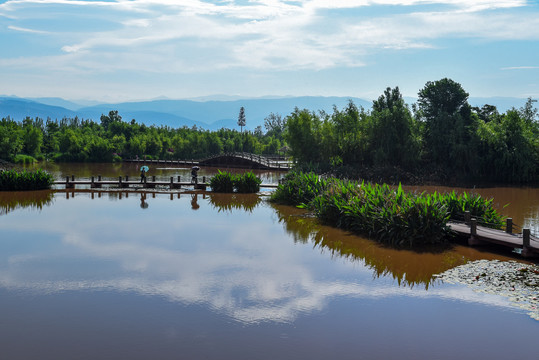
(502, 103)
(19, 109)
(208, 115)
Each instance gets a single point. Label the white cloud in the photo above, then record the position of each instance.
(270, 36)
(520, 68)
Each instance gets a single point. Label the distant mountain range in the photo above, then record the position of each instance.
(205, 114)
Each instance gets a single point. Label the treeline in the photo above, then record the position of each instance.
(441, 137)
(76, 140)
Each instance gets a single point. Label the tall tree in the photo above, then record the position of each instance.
(392, 136)
(449, 128)
(241, 118)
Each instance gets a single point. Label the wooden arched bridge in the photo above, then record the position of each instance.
(229, 160)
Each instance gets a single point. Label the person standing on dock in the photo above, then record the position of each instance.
(194, 174)
(143, 170)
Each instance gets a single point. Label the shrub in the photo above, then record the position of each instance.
(13, 180)
(388, 215)
(223, 182)
(24, 159)
(298, 188)
(247, 183)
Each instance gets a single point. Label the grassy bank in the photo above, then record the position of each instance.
(386, 214)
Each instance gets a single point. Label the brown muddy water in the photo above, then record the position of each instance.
(195, 275)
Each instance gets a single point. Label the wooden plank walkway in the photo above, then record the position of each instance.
(232, 160)
(481, 235)
(71, 183)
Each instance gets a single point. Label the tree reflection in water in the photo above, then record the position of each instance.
(12, 200)
(407, 267)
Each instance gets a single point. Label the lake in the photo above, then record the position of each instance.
(197, 275)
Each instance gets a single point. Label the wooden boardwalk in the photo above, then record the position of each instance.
(227, 160)
(478, 235)
(149, 183)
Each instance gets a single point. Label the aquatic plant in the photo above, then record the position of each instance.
(225, 182)
(391, 216)
(480, 208)
(247, 183)
(298, 188)
(13, 180)
(222, 182)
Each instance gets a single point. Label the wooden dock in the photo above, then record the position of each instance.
(478, 235)
(148, 183)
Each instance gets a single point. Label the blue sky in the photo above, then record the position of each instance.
(144, 49)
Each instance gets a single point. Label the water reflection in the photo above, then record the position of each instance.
(143, 203)
(230, 202)
(242, 266)
(12, 200)
(406, 267)
(194, 203)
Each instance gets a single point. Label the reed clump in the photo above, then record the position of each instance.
(225, 182)
(22, 180)
(386, 214)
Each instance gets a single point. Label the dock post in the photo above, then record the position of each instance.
(472, 240)
(203, 179)
(126, 178)
(72, 177)
(509, 225)
(526, 251)
(171, 183)
(92, 184)
(473, 227)
(467, 217)
(153, 178)
(179, 178)
(99, 178)
(68, 184)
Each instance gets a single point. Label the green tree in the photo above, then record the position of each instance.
(303, 136)
(449, 127)
(241, 118)
(112, 117)
(392, 136)
(275, 125)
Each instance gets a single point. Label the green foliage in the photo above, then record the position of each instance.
(383, 213)
(445, 140)
(24, 159)
(247, 183)
(298, 188)
(222, 182)
(225, 182)
(13, 180)
(479, 208)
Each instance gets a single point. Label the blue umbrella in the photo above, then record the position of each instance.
(145, 168)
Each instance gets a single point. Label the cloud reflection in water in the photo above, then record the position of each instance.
(240, 263)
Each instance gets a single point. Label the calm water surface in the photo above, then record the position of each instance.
(140, 275)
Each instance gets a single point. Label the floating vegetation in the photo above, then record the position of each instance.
(19, 180)
(386, 214)
(516, 281)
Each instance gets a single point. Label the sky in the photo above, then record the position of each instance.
(127, 50)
